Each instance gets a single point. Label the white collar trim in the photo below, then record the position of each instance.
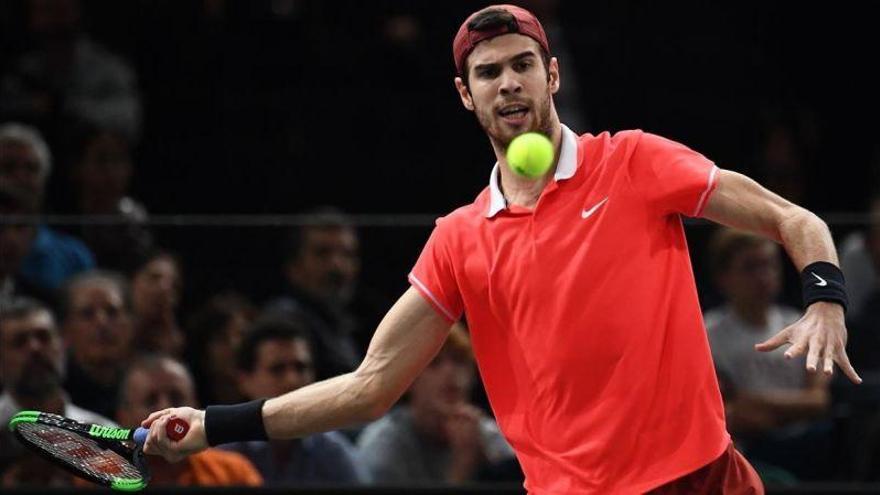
(565, 169)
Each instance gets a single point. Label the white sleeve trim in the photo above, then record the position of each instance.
(706, 191)
(427, 292)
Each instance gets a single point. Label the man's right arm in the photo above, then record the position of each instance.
(406, 340)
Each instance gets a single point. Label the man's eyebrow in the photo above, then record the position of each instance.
(515, 58)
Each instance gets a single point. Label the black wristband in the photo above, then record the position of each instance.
(822, 281)
(235, 423)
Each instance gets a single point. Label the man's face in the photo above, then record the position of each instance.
(98, 327)
(754, 276)
(148, 390)
(445, 382)
(281, 366)
(31, 355)
(20, 169)
(328, 263)
(156, 288)
(508, 87)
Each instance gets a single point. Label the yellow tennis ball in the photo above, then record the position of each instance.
(530, 155)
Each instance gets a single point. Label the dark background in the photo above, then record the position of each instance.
(273, 106)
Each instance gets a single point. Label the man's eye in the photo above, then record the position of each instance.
(487, 73)
(521, 66)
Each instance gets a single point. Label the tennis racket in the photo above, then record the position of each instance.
(105, 455)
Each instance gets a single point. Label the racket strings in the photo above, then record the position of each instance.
(79, 452)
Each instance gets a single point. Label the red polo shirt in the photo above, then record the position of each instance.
(584, 315)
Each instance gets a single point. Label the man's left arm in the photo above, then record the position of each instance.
(741, 203)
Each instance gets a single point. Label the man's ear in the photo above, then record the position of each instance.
(553, 69)
(464, 93)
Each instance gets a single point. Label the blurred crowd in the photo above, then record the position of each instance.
(93, 323)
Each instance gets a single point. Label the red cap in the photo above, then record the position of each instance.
(525, 23)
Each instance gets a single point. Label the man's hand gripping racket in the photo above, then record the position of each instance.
(105, 455)
(160, 442)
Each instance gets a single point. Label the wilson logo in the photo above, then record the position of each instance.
(108, 432)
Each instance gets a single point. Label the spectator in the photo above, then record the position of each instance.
(100, 175)
(214, 333)
(321, 269)
(275, 358)
(16, 239)
(66, 77)
(156, 289)
(153, 382)
(772, 403)
(99, 335)
(25, 164)
(32, 373)
(860, 262)
(438, 436)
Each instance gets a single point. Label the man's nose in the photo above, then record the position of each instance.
(510, 83)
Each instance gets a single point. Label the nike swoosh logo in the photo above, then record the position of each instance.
(587, 213)
(822, 282)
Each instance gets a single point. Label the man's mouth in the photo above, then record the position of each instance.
(514, 112)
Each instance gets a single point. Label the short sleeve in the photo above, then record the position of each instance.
(672, 177)
(434, 275)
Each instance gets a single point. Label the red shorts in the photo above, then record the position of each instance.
(730, 474)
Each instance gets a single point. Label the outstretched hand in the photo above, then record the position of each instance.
(158, 443)
(821, 334)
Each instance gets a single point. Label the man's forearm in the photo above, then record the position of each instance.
(326, 405)
(806, 238)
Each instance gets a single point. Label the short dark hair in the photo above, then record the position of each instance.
(490, 20)
(265, 329)
(141, 260)
(21, 307)
(322, 217)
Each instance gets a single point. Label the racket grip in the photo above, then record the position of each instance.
(140, 436)
(176, 429)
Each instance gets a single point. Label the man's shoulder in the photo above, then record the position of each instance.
(612, 138)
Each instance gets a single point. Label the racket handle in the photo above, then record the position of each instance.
(140, 436)
(176, 429)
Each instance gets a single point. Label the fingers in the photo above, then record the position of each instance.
(153, 417)
(798, 349)
(815, 350)
(846, 367)
(828, 360)
(774, 342)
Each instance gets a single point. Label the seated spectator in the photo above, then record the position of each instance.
(25, 164)
(321, 269)
(156, 289)
(31, 369)
(98, 334)
(101, 172)
(155, 382)
(213, 335)
(16, 239)
(772, 403)
(275, 358)
(438, 435)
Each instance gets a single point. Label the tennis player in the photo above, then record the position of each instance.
(580, 297)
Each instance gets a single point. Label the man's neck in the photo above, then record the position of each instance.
(521, 191)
